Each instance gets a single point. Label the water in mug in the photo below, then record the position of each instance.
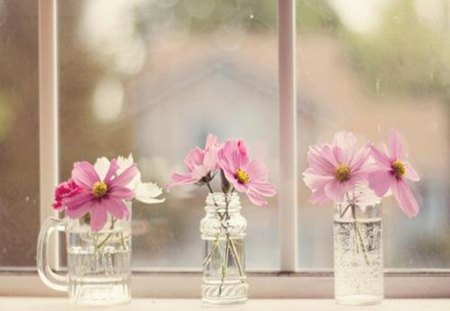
(99, 266)
(224, 278)
(358, 267)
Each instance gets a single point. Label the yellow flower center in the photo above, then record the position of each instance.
(342, 173)
(399, 169)
(242, 176)
(99, 189)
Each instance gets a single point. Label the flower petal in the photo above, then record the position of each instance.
(266, 189)
(256, 170)
(361, 158)
(318, 196)
(395, 145)
(320, 158)
(124, 163)
(335, 190)
(405, 198)
(242, 153)
(102, 166)
(79, 211)
(211, 141)
(256, 198)
(346, 141)
(193, 158)
(380, 181)
(113, 167)
(98, 216)
(84, 174)
(180, 179)
(120, 192)
(210, 160)
(117, 208)
(339, 155)
(124, 178)
(382, 159)
(314, 180)
(78, 199)
(147, 193)
(411, 173)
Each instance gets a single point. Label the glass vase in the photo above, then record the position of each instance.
(98, 263)
(223, 229)
(358, 253)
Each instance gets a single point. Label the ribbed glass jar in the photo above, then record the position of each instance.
(223, 230)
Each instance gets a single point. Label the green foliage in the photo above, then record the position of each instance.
(403, 54)
(316, 15)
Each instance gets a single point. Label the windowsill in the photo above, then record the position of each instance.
(57, 304)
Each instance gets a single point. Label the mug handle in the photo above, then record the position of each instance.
(51, 279)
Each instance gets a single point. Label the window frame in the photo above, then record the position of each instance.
(288, 282)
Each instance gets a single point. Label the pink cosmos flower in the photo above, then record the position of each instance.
(391, 172)
(63, 191)
(247, 176)
(336, 168)
(200, 164)
(98, 196)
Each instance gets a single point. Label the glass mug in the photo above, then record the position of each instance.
(98, 263)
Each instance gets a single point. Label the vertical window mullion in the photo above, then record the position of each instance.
(48, 113)
(288, 142)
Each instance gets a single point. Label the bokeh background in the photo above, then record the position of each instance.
(153, 77)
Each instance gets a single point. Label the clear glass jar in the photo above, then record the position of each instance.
(98, 263)
(223, 230)
(358, 254)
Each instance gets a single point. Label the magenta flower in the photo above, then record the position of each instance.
(63, 191)
(336, 168)
(391, 172)
(200, 164)
(247, 176)
(98, 196)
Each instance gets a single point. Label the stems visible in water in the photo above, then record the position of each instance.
(360, 240)
(108, 237)
(225, 263)
(211, 252)
(229, 243)
(236, 257)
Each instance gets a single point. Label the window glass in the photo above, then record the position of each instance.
(153, 78)
(368, 66)
(19, 133)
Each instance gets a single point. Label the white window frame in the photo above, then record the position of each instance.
(289, 282)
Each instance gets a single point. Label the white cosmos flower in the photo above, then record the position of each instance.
(144, 192)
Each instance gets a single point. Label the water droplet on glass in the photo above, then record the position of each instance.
(377, 85)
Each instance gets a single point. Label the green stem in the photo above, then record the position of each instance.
(344, 211)
(360, 241)
(225, 264)
(108, 237)
(236, 257)
(211, 252)
(229, 242)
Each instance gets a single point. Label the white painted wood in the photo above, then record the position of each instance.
(58, 304)
(287, 196)
(262, 285)
(48, 115)
(48, 105)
